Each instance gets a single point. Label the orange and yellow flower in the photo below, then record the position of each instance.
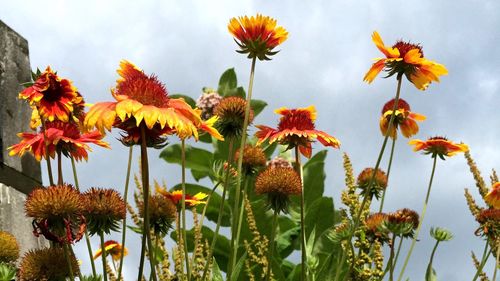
(257, 35)
(142, 100)
(405, 58)
(113, 248)
(403, 118)
(53, 96)
(176, 197)
(439, 146)
(296, 128)
(64, 137)
(493, 197)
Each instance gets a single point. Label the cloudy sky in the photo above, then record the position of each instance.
(329, 49)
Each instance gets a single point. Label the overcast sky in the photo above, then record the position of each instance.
(186, 43)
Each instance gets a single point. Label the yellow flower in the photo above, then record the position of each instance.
(142, 100)
(405, 58)
(439, 146)
(403, 119)
(493, 197)
(113, 248)
(257, 36)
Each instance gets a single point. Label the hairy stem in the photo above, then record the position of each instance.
(232, 259)
(124, 227)
(414, 241)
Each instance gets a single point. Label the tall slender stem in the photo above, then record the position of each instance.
(298, 168)
(87, 238)
(59, 169)
(340, 262)
(125, 198)
(429, 267)
(496, 261)
(183, 206)
(377, 165)
(484, 258)
(414, 241)
(391, 259)
(388, 173)
(203, 218)
(103, 257)
(146, 232)
(232, 259)
(271, 247)
(240, 220)
(47, 154)
(221, 212)
(68, 261)
(73, 253)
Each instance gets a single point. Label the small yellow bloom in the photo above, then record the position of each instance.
(113, 248)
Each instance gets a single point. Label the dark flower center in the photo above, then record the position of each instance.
(405, 47)
(299, 120)
(54, 91)
(402, 104)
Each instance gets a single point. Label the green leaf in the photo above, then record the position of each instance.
(197, 175)
(257, 106)
(7, 272)
(216, 274)
(135, 229)
(212, 212)
(314, 177)
(189, 100)
(159, 255)
(206, 138)
(321, 208)
(196, 158)
(239, 265)
(287, 240)
(430, 274)
(227, 83)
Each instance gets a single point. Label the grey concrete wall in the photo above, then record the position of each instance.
(18, 176)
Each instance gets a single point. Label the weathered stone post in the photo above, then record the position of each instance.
(18, 176)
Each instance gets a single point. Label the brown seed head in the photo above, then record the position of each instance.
(231, 113)
(374, 222)
(253, 157)
(278, 180)
(162, 213)
(9, 247)
(404, 216)
(104, 208)
(54, 202)
(46, 265)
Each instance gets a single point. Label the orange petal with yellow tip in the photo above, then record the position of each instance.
(387, 51)
(374, 70)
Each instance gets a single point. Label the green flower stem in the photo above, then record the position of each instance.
(70, 267)
(388, 173)
(47, 156)
(60, 180)
(146, 232)
(377, 165)
(339, 263)
(429, 267)
(103, 257)
(73, 253)
(414, 241)
(196, 242)
(125, 196)
(398, 252)
(484, 259)
(298, 168)
(496, 261)
(221, 211)
(183, 206)
(87, 238)
(232, 259)
(240, 220)
(271, 246)
(391, 259)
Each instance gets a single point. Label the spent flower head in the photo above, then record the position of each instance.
(231, 115)
(278, 184)
(376, 186)
(162, 213)
(9, 246)
(47, 264)
(253, 158)
(104, 209)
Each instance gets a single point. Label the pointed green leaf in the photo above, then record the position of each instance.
(216, 274)
(196, 158)
(189, 100)
(257, 106)
(430, 274)
(227, 83)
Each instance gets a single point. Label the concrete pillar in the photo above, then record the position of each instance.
(18, 176)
